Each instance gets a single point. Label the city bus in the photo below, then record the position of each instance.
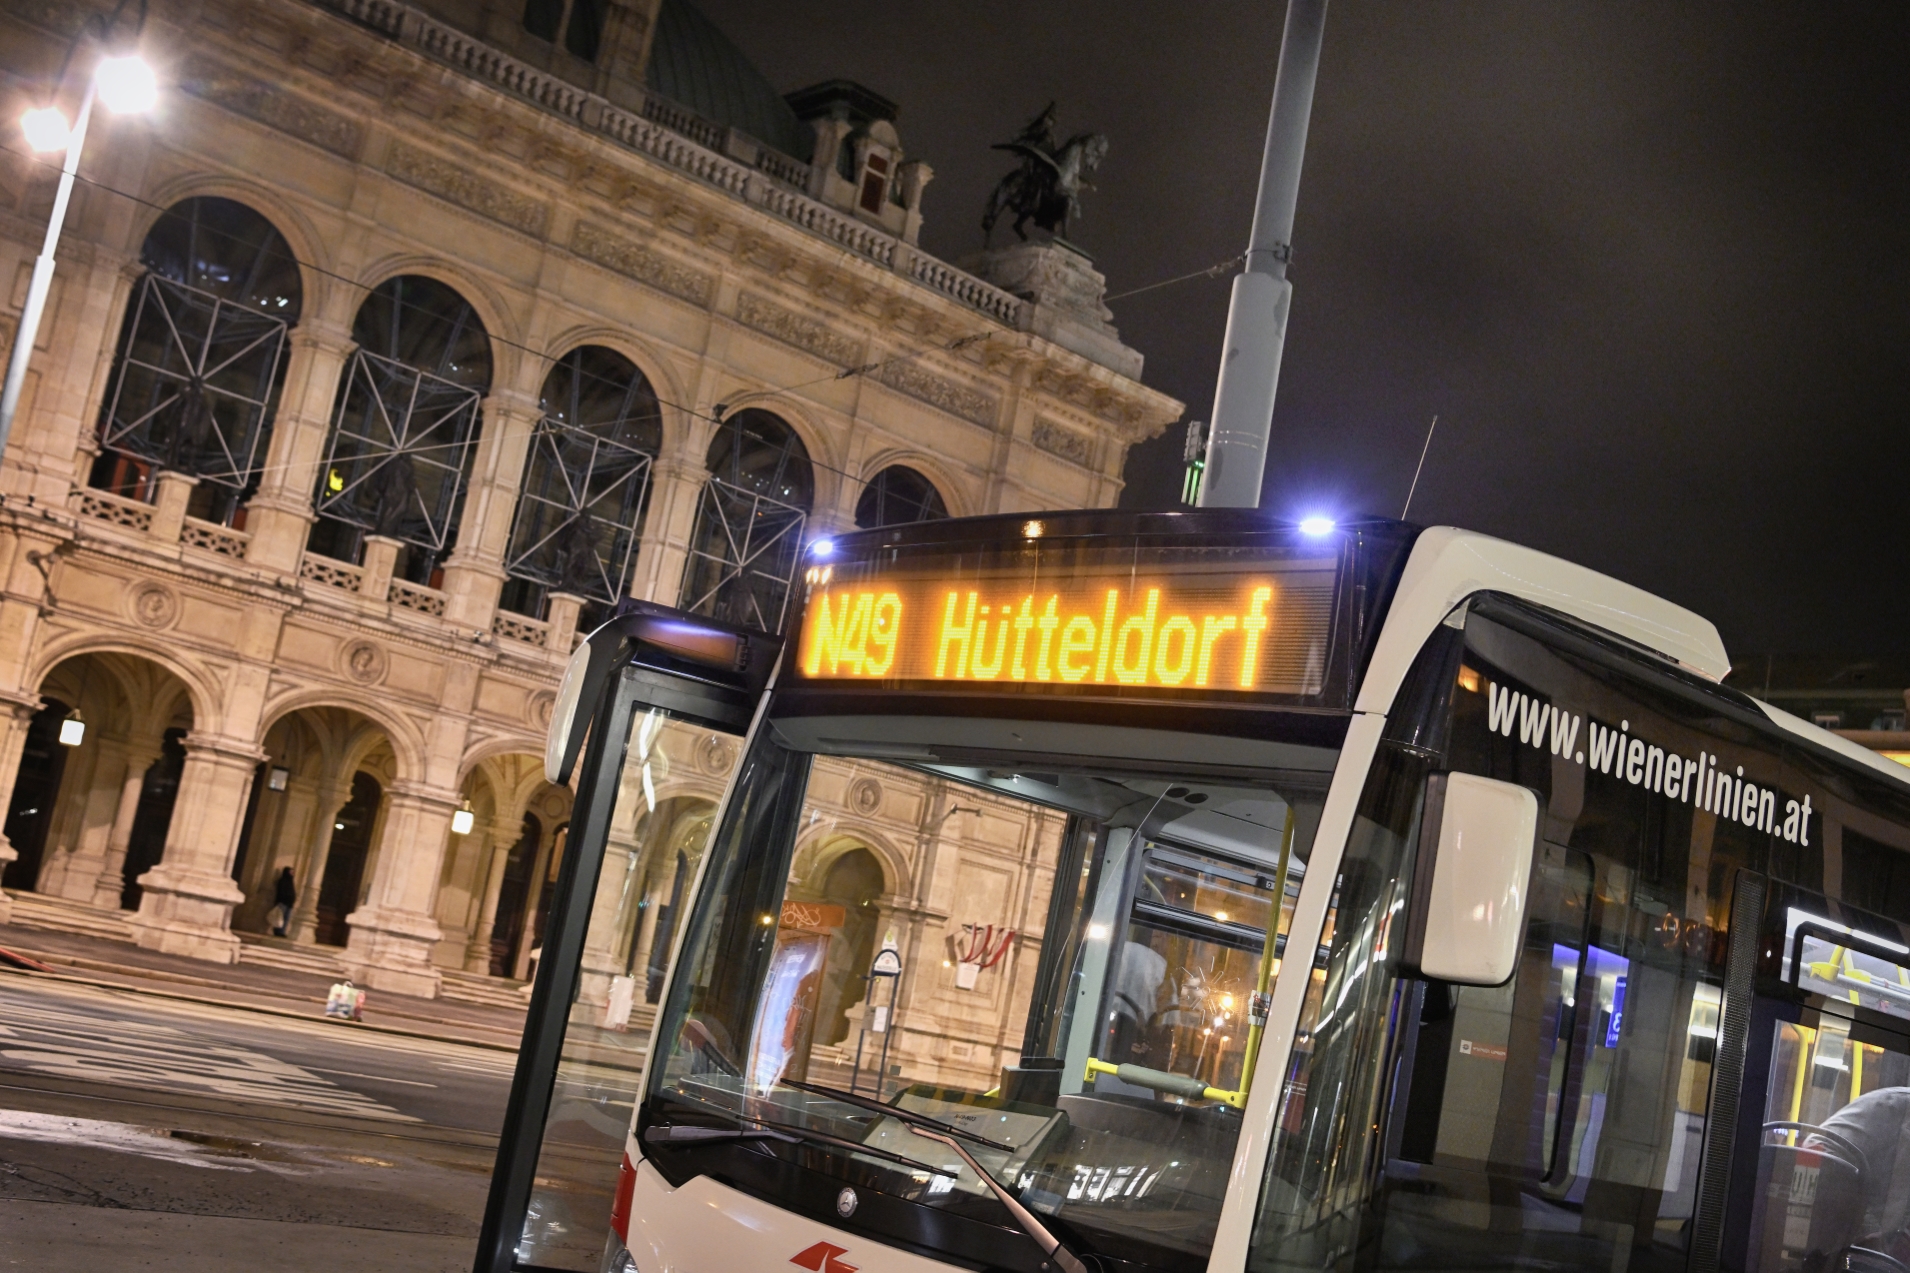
(1148, 892)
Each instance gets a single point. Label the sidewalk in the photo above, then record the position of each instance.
(102, 961)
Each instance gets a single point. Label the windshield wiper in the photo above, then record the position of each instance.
(771, 1129)
(901, 1115)
(1050, 1245)
(684, 1134)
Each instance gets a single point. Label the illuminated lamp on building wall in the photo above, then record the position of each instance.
(463, 820)
(73, 729)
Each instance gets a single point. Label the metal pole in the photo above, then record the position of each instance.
(42, 275)
(1257, 312)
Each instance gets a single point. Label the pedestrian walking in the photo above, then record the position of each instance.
(284, 897)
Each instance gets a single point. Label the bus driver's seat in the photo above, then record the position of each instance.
(1810, 1192)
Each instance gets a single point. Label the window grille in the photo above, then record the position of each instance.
(201, 355)
(586, 481)
(749, 523)
(400, 445)
(405, 427)
(897, 496)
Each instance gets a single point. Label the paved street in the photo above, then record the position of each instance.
(144, 1133)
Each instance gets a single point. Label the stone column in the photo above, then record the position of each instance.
(605, 949)
(111, 882)
(169, 505)
(186, 904)
(279, 516)
(526, 939)
(561, 610)
(332, 797)
(474, 573)
(504, 834)
(393, 932)
(676, 486)
(16, 713)
(381, 560)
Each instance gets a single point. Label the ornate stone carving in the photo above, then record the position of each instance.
(598, 245)
(714, 755)
(208, 81)
(153, 605)
(865, 796)
(542, 704)
(793, 329)
(948, 395)
(1055, 439)
(362, 661)
(446, 180)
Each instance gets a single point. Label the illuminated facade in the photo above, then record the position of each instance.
(385, 356)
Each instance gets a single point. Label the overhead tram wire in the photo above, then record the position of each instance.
(846, 373)
(1215, 270)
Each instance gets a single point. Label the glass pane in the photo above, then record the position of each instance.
(879, 939)
(1833, 1182)
(671, 780)
(1845, 963)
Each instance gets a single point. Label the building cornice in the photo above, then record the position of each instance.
(585, 172)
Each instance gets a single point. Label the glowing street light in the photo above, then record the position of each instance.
(1316, 526)
(46, 128)
(128, 86)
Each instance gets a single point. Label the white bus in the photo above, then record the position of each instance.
(1152, 893)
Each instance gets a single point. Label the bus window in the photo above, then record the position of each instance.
(1559, 1119)
(1832, 1174)
(835, 1017)
(1820, 1174)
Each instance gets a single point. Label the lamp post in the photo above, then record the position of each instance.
(127, 86)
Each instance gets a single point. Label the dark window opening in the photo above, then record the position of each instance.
(200, 360)
(585, 485)
(541, 18)
(748, 537)
(897, 496)
(404, 428)
(584, 33)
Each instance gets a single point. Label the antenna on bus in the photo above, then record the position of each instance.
(1420, 468)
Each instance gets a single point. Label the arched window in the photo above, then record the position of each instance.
(405, 426)
(201, 356)
(748, 536)
(585, 482)
(897, 496)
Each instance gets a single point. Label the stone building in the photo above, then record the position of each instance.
(380, 360)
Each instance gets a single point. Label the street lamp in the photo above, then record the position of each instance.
(128, 86)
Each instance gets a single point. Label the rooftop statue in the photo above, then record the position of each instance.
(1047, 188)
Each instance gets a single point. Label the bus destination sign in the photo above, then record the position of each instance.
(1256, 628)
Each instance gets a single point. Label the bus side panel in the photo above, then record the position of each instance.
(1562, 1117)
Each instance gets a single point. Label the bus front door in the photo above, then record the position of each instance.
(657, 702)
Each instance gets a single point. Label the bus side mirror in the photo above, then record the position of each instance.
(1470, 889)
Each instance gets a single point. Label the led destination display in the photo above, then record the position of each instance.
(1252, 629)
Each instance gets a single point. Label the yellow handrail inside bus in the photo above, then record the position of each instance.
(1187, 1085)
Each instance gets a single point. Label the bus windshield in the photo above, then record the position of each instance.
(1061, 962)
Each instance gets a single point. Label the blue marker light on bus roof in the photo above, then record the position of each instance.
(824, 548)
(1316, 525)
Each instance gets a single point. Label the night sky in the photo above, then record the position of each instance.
(1646, 263)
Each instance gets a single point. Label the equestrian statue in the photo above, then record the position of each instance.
(1047, 188)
